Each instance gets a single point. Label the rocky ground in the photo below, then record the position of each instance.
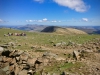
(75, 59)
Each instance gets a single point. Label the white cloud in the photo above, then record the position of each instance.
(30, 20)
(40, 1)
(54, 21)
(85, 19)
(26, 20)
(59, 21)
(45, 19)
(77, 5)
(40, 21)
(1, 20)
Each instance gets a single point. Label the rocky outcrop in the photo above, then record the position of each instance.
(21, 63)
(16, 63)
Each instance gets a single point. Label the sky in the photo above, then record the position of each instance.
(50, 12)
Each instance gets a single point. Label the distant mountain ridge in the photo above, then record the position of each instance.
(35, 27)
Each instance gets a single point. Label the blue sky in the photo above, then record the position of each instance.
(50, 12)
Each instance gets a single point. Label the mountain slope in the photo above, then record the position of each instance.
(60, 30)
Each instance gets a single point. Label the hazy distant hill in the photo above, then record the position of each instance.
(35, 27)
(97, 32)
(60, 30)
(31, 27)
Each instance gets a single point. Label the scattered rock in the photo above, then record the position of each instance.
(1, 49)
(11, 43)
(60, 44)
(76, 54)
(49, 55)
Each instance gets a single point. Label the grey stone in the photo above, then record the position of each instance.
(6, 68)
(5, 46)
(17, 58)
(63, 43)
(1, 49)
(49, 55)
(58, 44)
(76, 54)
(20, 52)
(11, 43)
(24, 56)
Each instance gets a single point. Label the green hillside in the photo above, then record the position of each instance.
(41, 39)
(60, 30)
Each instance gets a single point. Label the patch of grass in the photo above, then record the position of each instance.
(37, 73)
(68, 67)
(40, 50)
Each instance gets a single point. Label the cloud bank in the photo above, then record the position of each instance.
(85, 19)
(77, 5)
(43, 20)
(40, 1)
(2, 21)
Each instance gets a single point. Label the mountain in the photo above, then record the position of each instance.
(29, 27)
(60, 30)
(35, 27)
